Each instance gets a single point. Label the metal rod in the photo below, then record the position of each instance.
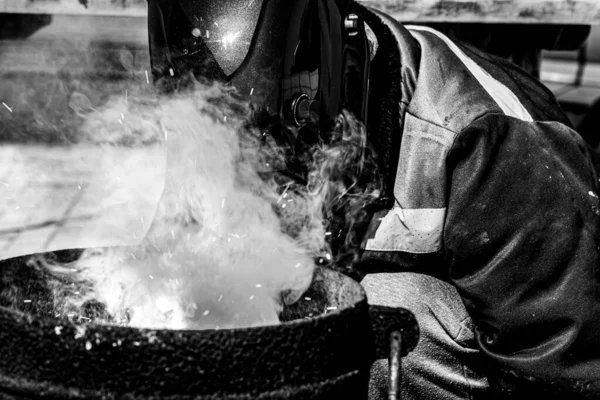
(395, 365)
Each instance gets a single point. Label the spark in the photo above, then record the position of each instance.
(196, 32)
(88, 345)
(251, 297)
(7, 107)
(283, 205)
(58, 330)
(207, 34)
(307, 299)
(230, 38)
(171, 72)
(205, 313)
(284, 194)
(327, 233)
(79, 332)
(346, 191)
(147, 79)
(251, 91)
(331, 308)
(220, 298)
(258, 285)
(133, 255)
(298, 265)
(26, 301)
(328, 256)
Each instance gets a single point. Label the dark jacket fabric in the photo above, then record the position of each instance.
(491, 178)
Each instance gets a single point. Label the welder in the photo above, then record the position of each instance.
(487, 226)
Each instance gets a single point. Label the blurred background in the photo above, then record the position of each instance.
(574, 77)
(60, 59)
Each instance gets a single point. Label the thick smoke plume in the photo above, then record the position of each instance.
(215, 254)
(234, 238)
(239, 226)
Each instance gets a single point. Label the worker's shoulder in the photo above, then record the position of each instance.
(457, 85)
(447, 93)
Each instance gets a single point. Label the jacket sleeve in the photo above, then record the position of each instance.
(522, 236)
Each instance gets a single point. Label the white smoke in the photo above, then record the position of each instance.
(228, 245)
(215, 254)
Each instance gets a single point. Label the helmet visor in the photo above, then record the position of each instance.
(223, 27)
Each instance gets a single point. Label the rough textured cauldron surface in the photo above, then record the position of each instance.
(324, 356)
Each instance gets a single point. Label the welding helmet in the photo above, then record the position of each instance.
(301, 61)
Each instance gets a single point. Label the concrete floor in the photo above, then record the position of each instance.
(85, 196)
(56, 195)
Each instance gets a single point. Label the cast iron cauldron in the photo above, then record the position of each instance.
(327, 356)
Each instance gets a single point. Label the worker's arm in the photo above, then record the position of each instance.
(522, 236)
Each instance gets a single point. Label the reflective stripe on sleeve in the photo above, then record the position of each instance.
(409, 230)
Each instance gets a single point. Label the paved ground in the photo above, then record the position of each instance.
(55, 197)
(58, 198)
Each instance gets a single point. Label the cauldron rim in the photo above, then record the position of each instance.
(57, 354)
(44, 321)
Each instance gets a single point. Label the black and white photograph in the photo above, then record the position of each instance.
(299, 199)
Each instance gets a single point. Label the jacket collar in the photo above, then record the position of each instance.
(392, 84)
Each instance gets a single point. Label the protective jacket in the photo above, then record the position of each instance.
(493, 189)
